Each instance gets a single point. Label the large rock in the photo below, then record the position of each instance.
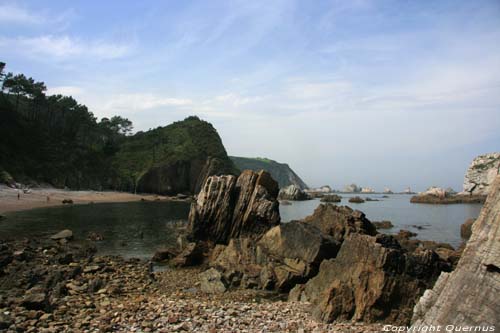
(286, 255)
(293, 192)
(64, 234)
(229, 207)
(469, 295)
(481, 174)
(371, 279)
(340, 221)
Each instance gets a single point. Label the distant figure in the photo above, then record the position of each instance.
(18, 195)
(48, 199)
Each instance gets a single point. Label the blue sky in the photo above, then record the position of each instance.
(381, 93)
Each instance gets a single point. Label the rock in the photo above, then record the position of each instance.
(331, 198)
(356, 200)
(340, 221)
(35, 300)
(191, 254)
(212, 281)
(371, 279)
(285, 203)
(466, 229)
(164, 254)
(437, 195)
(353, 188)
(383, 225)
(95, 236)
(5, 321)
(481, 174)
(229, 207)
(67, 201)
(293, 193)
(370, 199)
(468, 296)
(65, 234)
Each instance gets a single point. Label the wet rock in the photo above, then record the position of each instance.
(67, 201)
(95, 236)
(5, 321)
(192, 254)
(164, 254)
(212, 281)
(383, 225)
(64, 234)
(466, 229)
(331, 198)
(356, 200)
(229, 207)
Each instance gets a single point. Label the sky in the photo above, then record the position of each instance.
(377, 93)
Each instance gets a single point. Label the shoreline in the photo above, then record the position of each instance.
(51, 197)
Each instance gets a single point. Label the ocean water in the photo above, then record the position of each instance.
(137, 229)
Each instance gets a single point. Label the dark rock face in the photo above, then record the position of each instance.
(229, 207)
(340, 221)
(286, 255)
(466, 229)
(469, 295)
(371, 279)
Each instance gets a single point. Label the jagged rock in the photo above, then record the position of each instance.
(212, 281)
(164, 254)
(340, 221)
(371, 279)
(286, 255)
(331, 198)
(191, 254)
(229, 207)
(35, 300)
(356, 200)
(469, 295)
(466, 229)
(293, 193)
(65, 234)
(481, 174)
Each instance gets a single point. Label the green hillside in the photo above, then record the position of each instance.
(281, 172)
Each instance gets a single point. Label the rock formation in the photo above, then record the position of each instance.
(469, 295)
(481, 174)
(229, 207)
(331, 198)
(437, 195)
(293, 192)
(371, 279)
(281, 172)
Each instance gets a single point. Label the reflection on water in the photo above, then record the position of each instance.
(441, 222)
(133, 229)
(136, 229)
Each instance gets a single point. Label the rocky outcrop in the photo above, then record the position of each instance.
(340, 221)
(331, 198)
(371, 279)
(293, 193)
(481, 174)
(281, 172)
(466, 229)
(229, 207)
(286, 255)
(356, 200)
(469, 295)
(437, 195)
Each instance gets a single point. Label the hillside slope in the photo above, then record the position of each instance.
(281, 172)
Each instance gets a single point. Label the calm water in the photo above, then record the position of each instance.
(441, 222)
(133, 229)
(136, 229)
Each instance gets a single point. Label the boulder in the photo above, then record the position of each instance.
(340, 221)
(191, 254)
(67, 201)
(383, 225)
(294, 193)
(64, 234)
(356, 200)
(481, 174)
(229, 207)
(372, 279)
(331, 198)
(468, 296)
(466, 229)
(212, 281)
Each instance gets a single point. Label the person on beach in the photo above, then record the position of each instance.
(48, 198)
(18, 195)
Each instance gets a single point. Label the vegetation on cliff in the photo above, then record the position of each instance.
(281, 172)
(55, 140)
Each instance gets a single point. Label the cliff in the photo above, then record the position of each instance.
(172, 159)
(481, 174)
(281, 172)
(468, 296)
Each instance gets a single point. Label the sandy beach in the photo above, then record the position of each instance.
(48, 197)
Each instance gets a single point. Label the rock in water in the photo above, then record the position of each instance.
(469, 296)
(466, 229)
(229, 207)
(293, 192)
(371, 279)
(481, 174)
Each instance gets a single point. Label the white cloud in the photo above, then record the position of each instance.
(142, 101)
(65, 47)
(65, 90)
(15, 14)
